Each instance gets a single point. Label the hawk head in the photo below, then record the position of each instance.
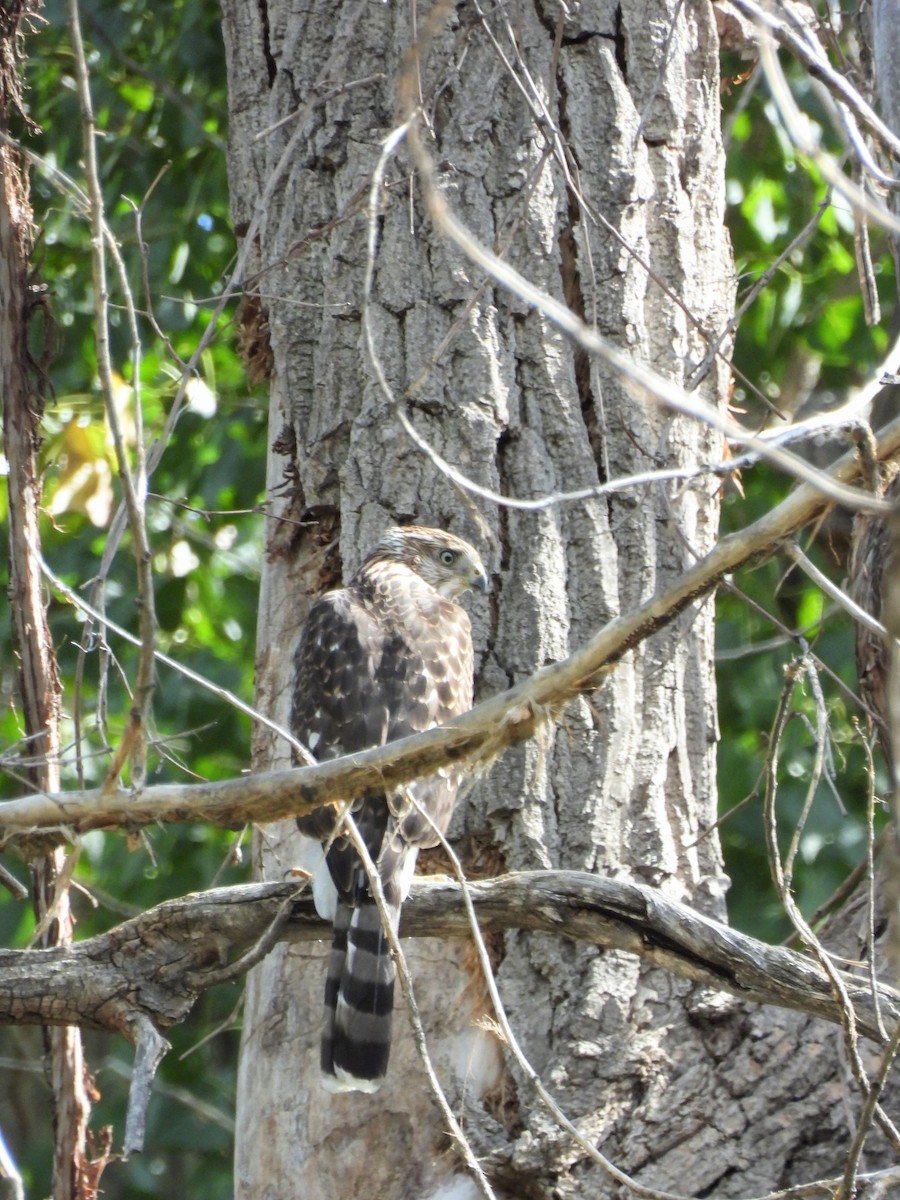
(445, 561)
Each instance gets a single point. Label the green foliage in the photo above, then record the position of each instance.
(806, 331)
(159, 96)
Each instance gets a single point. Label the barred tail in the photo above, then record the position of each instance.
(359, 1001)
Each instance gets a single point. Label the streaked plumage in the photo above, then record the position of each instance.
(386, 656)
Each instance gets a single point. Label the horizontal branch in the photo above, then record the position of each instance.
(156, 965)
(145, 975)
(479, 736)
(621, 915)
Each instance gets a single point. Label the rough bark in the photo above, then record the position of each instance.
(686, 1094)
(626, 783)
(155, 966)
(881, 38)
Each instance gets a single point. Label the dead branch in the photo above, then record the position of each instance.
(31, 822)
(803, 43)
(150, 1048)
(145, 975)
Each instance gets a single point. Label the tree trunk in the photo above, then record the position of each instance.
(22, 407)
(664, 1079)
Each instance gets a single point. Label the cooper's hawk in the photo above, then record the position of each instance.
(386, 656)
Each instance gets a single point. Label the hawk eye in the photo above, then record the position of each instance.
(448, 558)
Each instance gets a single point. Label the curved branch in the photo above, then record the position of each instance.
(155, 966)
(641, 380)
(145, 975)
(478, 736)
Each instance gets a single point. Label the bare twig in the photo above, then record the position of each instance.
(821, 580)
(640, 379)
(782, 880)
(223, 693)
(870, 872)
(798, 638)
(232, 288)
(511, 1041)
(815, 775)
(812, 55)
(547, 127)
(754, 292)
(848, 1189)
(870, 1185)
(798, 125)
(594, 492)
(16, 889)
(38, 675)
(134, 483)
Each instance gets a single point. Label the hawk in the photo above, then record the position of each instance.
(386, 656)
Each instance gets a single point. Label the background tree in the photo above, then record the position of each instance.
(583, 151)
(159, 99)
